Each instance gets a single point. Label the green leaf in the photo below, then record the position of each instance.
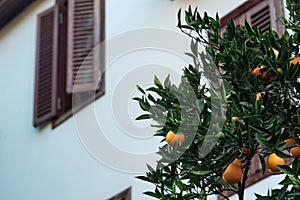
(167, 82)
(286, 181)
(179, 18)
(140, 89)
(282, 192)
(263, 163)
(201, 172)
(281, 154)
(296, 166)
(144, 178)
(150, 168)
(262, 140)
(136, 98)
(144, 116)
(153, 194)
(285, 169)
(151, 98)
(157, 82)
(144, 105)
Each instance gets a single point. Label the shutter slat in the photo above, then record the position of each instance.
(83, 36)
(261, 18)
(46, 66)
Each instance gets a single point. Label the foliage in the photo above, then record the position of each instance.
(250, 126)
(290, 184)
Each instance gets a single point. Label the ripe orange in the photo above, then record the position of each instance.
(256, 71)
(295, 151)
(237, 162)
(273, 160)
(290, 141)
(235, 118)
(267, 76)
(232, 174)
(245, 149)
(181, 138)
(171, 138)
(296, 60)
(264, 76)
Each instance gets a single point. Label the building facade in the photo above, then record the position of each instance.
(93, 151)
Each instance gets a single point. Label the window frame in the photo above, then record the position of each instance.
(67, 103)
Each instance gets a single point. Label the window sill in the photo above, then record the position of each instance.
(76, 109)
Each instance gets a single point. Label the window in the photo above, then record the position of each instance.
(69, 69)
(125, 195)
(262, 14)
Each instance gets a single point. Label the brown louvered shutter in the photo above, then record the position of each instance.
(83, 62)
(259, 13)
(260, 16)
(46, 66)
(124, 195)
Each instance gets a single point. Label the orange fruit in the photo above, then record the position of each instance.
(255, 72)
(237, 162)
(171, 138)
(245, 149)
(258, 96)
(273, 161)
(235, 118)
(296, 60)
(290, 141)
(295, 151)
(264, 76)
(267, 76)
(232, 174)
(181, 138)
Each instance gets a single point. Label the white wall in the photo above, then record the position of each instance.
(65, 162)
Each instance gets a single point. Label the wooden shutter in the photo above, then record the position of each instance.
(259, 13)
(261, 16)
(125, 195)
(46, 66)
(83, 62)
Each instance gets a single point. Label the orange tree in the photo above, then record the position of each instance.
(248, 108)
